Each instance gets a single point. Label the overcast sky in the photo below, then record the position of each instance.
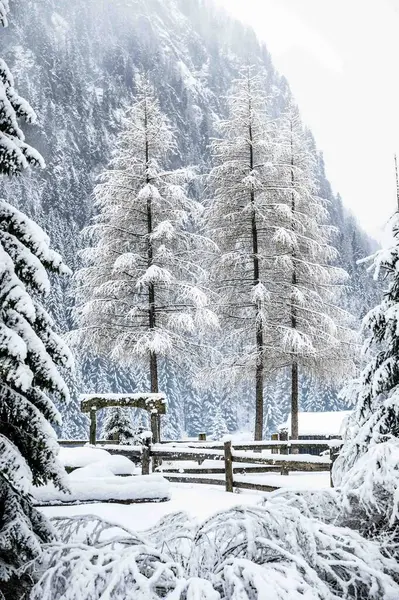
(341, 58)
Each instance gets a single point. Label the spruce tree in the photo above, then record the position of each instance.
(30, 352)
(118, 425)
(367, 466)
(218, 424)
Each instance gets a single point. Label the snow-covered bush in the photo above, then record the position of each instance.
(271, 551)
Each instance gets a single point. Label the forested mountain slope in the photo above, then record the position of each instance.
(77, 61)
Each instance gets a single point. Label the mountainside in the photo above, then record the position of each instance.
(77, 62)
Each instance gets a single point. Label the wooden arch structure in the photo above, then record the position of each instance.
(155, 404)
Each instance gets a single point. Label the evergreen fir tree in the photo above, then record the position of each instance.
(30, 352)
(15, 154)
(218, 425)
(171, 380)
(118, 425)
(367, 466)
(195, 413)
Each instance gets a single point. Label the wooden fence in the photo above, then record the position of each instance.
(240, 459)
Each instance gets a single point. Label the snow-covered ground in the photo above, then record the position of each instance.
(199, 501)
(98, 478)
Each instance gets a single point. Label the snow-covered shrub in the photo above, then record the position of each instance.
(323, 505)
(271, 551)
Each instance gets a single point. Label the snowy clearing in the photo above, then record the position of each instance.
(198, 501)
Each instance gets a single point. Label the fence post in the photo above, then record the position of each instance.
(155, 427)
(93, 425)
(333, 457)
(275, 439)
(284, 470)
(283, 437)
(228, 465)
(145, 456)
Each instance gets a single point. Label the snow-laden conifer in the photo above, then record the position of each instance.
(30, 352)
(367, 469)
(238, 216)
(218, 424)
(140, 291)
(15, 153)
(311, 332)
(4, 8)
(118, 425)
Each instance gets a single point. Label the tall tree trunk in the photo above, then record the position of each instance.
(259, 372)
(294, 402)
(155, 419)
(294, 320)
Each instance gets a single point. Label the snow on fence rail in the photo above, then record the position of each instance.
(229, 457)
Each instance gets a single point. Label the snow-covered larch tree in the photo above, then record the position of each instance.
(367, 467)
(237, 217)
(30, 352)
(311, 332)
(140, 291)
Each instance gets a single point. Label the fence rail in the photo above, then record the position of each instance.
(237, 460)
(241, 459)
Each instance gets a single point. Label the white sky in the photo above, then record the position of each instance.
(341, 58)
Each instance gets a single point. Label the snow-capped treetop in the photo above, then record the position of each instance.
(15, 154)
